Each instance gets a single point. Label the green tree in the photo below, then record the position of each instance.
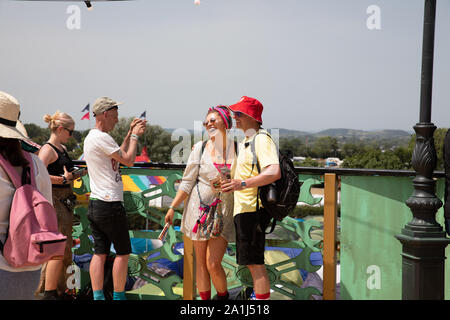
(159, 143)
(404, 154)
(350, 149)
(308, 162)
(325, 147)
(292, 145)
(156, 139)
(439, 137)
(375, 159)
(36, 133)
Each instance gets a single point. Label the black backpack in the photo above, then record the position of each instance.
(280, 197)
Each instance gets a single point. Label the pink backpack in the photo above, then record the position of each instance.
(33, 237)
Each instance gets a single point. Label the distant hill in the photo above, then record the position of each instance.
(293, 133)
(351, 134)
(340, 133)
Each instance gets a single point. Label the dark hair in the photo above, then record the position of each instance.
(11, 150)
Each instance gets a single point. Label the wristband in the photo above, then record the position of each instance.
(134, 136)
(64, 179)
(171, 207)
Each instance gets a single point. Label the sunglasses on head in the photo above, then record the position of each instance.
(111, 108)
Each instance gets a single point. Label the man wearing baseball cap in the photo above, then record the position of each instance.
(107, 216)
(250, 220)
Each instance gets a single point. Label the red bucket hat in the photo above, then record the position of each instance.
(250, 107)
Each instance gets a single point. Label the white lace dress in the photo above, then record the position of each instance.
(194, 175)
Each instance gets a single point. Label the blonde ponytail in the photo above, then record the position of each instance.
(59, 119)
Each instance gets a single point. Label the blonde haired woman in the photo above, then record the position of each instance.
(59, 165)
(206, 161)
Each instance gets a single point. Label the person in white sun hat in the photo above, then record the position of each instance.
(16, 283)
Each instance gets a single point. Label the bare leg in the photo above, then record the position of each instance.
(214, 255)
(120, 271)
(97, 271)
(202, 277)
(52, 273)
(261, 283)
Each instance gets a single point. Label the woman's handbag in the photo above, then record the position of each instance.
(210, 222)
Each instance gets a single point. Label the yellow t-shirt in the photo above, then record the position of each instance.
(267, 154)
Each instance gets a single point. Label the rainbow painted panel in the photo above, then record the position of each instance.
(136, 183)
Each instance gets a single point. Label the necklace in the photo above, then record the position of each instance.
(219, 156)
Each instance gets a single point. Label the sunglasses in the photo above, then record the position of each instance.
(206, 122)
(113, 107)
(238, 114)
(69, 131)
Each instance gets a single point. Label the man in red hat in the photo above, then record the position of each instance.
(250, 219)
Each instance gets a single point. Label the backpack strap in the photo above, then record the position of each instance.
(27, 173)
(256, 161)
(11, 172)
(253, 150)
(27, 177)
(199, 160)
(29, 169)
(203, 148)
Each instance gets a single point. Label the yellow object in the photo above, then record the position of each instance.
(129, 185)
(274, 256)
(151, 289)
(245, 200)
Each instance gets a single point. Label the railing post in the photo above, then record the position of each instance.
(423, 240)
(329, 236)
(188, 270)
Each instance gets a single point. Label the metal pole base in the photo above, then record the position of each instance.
(423, 262)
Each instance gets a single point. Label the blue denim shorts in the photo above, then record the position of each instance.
(109, 224)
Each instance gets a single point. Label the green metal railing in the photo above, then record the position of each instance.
(171, 286)
(372, 213)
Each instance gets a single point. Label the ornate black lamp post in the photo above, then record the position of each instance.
(423, 239)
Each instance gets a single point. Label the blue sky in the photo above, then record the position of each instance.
(313, 64)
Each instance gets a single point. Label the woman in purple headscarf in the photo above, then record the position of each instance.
(208, 213)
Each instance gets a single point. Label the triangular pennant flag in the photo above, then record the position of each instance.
(86, 108)
(143, 115)
(86, 116)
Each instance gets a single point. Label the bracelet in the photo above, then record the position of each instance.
(134, 136)
(171, 207)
